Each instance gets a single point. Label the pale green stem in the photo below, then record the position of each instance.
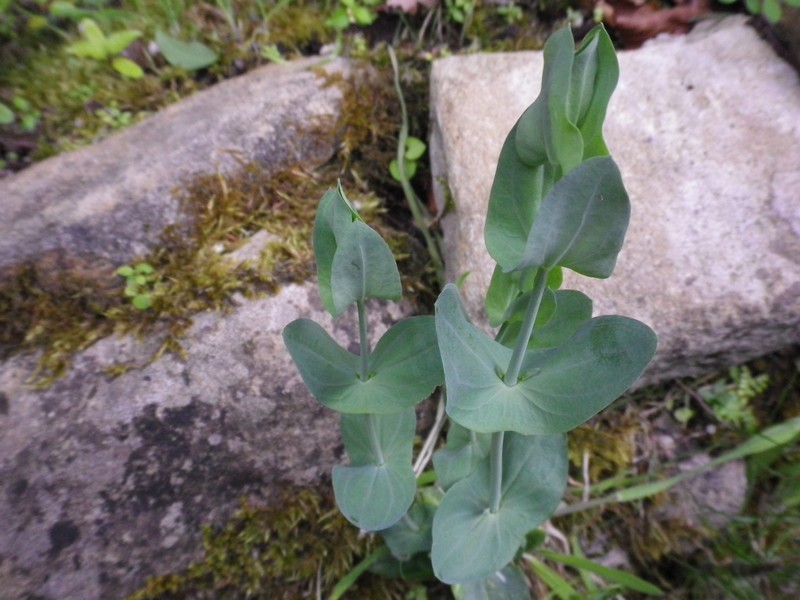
(374, 442)
(515, 364)
(496, 470)
(414, 203)
(363, 339)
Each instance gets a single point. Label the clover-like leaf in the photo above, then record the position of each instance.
(558, 388)
(470, 542)
(404, 367)
(378, 487)
(582, 222)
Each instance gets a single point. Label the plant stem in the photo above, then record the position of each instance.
(374, 442)
(363, 339)
(515, 364)
(496, 470)
(414, 203)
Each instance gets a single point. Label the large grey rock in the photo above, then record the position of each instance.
(100, 206)
(106, 481)
(706, 131)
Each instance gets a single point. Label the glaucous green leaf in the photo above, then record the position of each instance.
(582, 222)
(411, 534)
(470, 542)
(508, 584)
(375, 491)
(461, 455)
(595, 73)
(558, 388)
(353, 261)
(572, 309)
(517, 192)
(186, 55)
(404, 367)
(544, 131)
(333, 215)
(363, 267)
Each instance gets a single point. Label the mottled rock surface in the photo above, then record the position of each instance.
(106, 481)
(98, 207)
(706, 131)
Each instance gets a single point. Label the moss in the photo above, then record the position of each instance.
(276, 553)
(192, 260)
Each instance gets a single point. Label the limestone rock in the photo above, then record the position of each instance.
(104, 481)
(97, 208)
(706, 131)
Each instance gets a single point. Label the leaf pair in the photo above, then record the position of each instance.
(404, 368)
(558, 388)
(353, 261)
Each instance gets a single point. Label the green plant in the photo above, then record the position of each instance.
(730, 399)
(772, 10)
(353, 12)
(21, 110)
(557, 201)
(96, 45)
(140, 284)
(413, 150)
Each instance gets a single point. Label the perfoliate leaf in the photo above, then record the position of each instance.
(569, 310)
(595, 74)
(461, 455)
(517, 192)
(582, 222)
(85, 49)
(558, 388)
(374, 492)
(404, 367)
(508, 584)
(190, 56)
(411, 535)
(353, 261)
(333, 215)
(544, 131)
(363, 267)
(470, 542)
(127, 67)
(410, 168)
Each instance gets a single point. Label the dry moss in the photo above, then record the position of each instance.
(275, 554)
(192, 261)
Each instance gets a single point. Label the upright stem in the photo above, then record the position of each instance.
(515, 364)
(496, 470)
(363, 339)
